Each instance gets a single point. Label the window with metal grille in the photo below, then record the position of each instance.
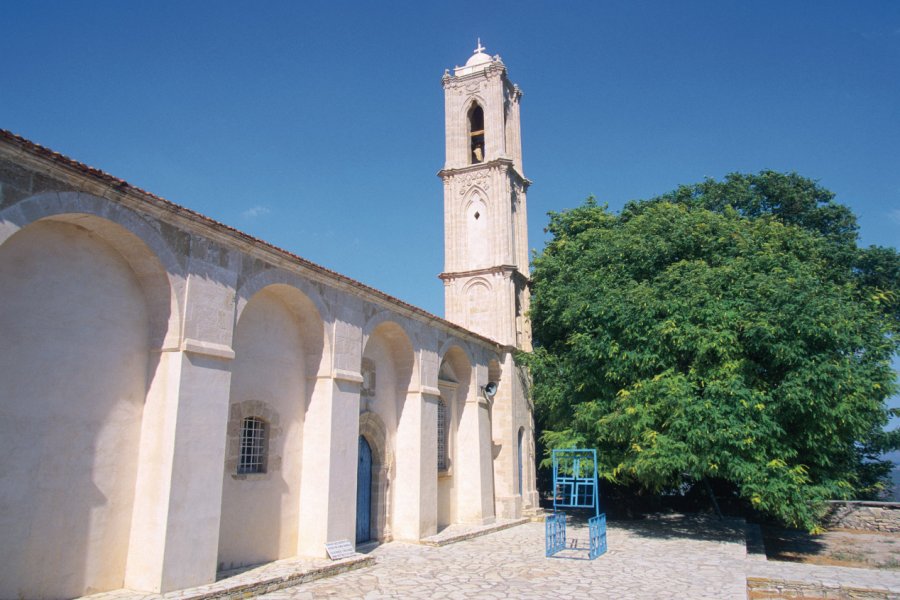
(253, 446)
(442, 435)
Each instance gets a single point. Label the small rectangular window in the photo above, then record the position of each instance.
(253, 446)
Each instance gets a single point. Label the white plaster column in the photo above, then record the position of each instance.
(473, 470)
(330, 454)
(174, 532)
(178, 492)
(508, 501)
(415, 508)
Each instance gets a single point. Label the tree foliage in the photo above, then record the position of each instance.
(728, 330)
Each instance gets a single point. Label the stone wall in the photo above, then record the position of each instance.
(762, 588)
(870, 516)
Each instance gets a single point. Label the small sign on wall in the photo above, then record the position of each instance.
(339, 549)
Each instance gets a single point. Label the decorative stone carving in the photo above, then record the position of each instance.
(481, 179)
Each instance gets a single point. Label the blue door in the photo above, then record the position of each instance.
(363, 491)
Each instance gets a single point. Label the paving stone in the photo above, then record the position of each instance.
(665, 557)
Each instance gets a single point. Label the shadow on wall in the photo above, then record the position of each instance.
(72, 398)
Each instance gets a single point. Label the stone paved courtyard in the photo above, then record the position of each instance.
(684, 557)
(642, 562)
(664, 558)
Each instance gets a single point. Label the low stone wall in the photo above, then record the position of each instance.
(761, 588)
(869, 516)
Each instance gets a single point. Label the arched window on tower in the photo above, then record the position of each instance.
(476, 134)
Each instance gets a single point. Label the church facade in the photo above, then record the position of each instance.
(180, 398)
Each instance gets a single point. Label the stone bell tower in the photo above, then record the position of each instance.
(485, 227)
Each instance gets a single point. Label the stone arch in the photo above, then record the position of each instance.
(459, 345)
(460, 362)
(475, 190)
(495, 370)
(159, 269)
(471, 101)
(91, 306)
(385, 323)
(305, 301)
(278, 345)
(372, 428)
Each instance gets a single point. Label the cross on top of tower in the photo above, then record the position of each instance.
(480, 48)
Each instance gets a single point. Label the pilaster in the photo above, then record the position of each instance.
(330, 447)
(475, 489)
(178, 492)
(415, 509)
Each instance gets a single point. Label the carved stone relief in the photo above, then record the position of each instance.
(481, 179)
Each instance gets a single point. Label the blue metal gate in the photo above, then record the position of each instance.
(575, 486)
(555, 528)
(363, 491)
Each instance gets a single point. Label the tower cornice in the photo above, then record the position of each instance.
(492, 70)
(509, 270)
(504, 164)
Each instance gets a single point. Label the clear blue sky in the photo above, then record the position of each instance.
(318, 126)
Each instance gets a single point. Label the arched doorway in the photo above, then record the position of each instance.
(387, 367)
(364, 492)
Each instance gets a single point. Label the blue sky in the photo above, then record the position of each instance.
(318, 126)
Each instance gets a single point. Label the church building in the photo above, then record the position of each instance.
(179, 398)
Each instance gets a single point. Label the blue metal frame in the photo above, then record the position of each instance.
(555, 529)
(597, 528)
(575, 486)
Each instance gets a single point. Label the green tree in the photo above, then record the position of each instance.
(729, 330)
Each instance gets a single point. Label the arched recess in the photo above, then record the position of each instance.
(456, 386)
(480, 315)
(131, 235)
(495, 371)
(389, 369)
(308, 290)
(278, 345)
(478, 232)
(87, 304)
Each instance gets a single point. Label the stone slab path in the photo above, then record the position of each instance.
(645, 560)
(684, 557)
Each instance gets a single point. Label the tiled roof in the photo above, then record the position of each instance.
(143, 195)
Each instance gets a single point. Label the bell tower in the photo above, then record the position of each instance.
(485, 227)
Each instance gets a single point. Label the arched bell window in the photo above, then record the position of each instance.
(476, 134)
